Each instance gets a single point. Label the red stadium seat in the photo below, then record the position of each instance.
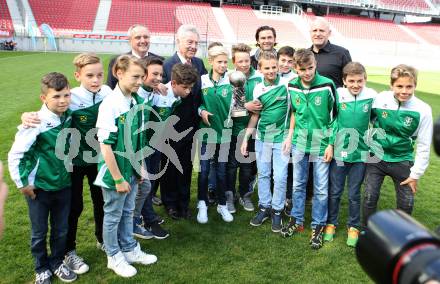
(65, 14)
(428, 32)
(6, 26)
(163, 17)
(244, 22)
(369, 29)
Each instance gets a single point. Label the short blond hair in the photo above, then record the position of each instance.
(84, 59)
(123, 62)
(403, 70)
(215, 51)
(240, 47)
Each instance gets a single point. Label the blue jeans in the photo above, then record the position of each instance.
(212, 177)
(153, 166)
(118, 219)
(219, 161)
(144, 192)
(53, 206)
(270, 155)
(354, 173)
(301, 162)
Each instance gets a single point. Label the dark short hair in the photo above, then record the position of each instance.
(286, 50)
(53, 80)
(353, 68)
(303, 56)
(184, 74)
(265, 28)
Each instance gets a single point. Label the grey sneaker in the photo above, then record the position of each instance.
(43, 277)
(246, 202)
(230, 201)
(262, 215)
(65, 274)
(75, 263)
(139, 231)
(277, 221)
(100, 246)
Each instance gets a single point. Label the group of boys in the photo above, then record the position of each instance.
(293, 118)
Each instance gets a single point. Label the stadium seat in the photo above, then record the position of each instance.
(6, 25)
(405, 5)
(429, 32)
(163, 17)
(244, 22)
(368, 29)
(64, 15)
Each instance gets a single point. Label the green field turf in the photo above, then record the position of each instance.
(212, 253)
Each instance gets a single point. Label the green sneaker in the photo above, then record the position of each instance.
(329, 232)
(352, 237)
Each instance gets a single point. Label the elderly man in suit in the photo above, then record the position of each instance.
(175, 185)
(139, 39)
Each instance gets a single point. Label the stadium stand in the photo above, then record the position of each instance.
(162, 17)
(428, 32)
(6, 26)
(65, 14)
(369, 29)
(405, 5)
(244, 22)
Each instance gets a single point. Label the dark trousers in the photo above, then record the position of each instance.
(53, 206)
(374, 176)
(246, 173)
(219, 160)
(153, 167)
(176, 185)
(77, 204)
(354, 174)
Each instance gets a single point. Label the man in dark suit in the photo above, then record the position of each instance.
(175, 185)
(139, 39)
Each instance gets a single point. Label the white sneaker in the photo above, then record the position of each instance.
(138, 256)
(120, 266)
(202, 215)
(226, 215)
(75, 263)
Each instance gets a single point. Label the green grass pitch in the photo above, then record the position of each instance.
(212, 253)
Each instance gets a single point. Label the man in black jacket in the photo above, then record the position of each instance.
(139, 39)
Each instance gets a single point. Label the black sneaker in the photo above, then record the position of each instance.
(277, 221)
(43, 277)
(288, 207)
(262, 215)
(158, 219)
(316, 240)
(158, 232)
(185, 214)
(65, 274)
(291, 228)
(173, 213)
(212, 197)
(156, 200)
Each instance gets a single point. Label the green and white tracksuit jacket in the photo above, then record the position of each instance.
(273, 123)
(240, 123)
(216, 99)
(159, 108)
(84, 106)
(350, 128)
(403, 123)
(313, 109)
(33, 157)
(119, 124)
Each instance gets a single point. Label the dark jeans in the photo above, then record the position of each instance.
(245, 176)
(354, 173)
(153, 167)
(220, 162)
(374, 176)
(175, 185)
(53, 206)
(77, 204)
